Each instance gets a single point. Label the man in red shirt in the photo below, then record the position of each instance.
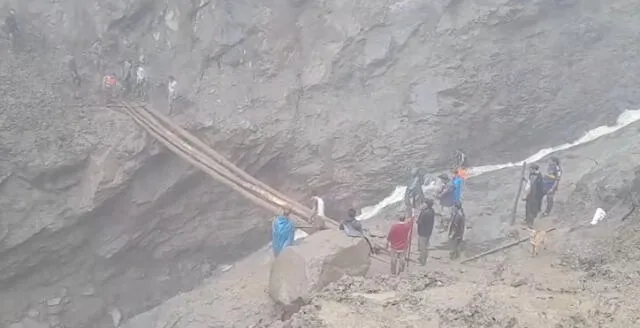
(398, 243)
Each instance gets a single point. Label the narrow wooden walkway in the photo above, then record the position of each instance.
(200, 155)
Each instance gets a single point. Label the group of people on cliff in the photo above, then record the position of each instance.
(421, 212)
(134, 83)
(131, 82)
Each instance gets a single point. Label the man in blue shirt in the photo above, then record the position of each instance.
(458, 184)
(283, 232)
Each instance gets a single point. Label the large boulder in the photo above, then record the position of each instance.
(315, 262)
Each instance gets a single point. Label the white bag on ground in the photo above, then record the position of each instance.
(598, 216)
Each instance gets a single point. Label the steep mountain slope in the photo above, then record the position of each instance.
(337, 96)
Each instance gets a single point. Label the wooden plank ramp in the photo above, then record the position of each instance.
(200, 155)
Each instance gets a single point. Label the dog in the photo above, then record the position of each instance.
(537, 241)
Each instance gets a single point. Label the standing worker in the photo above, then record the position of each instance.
(533, 195)
(551, 182)
(171, 88)
(141, 82)
(398, 243)
(446, 199)
(75, 76)
(458, 185)
(413, 195)
(456, 230)
(11, 26)
(283, 232)
(426, 220)
(460, 159)
(109, 84)
(318, 213)
(127, 76)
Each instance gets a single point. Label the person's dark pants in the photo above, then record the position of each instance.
(423, 248)
(456, 234)
(532, 208)
(398, 261)
(550, 202)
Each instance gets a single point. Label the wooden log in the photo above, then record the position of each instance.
(514, 211)
(497, 249)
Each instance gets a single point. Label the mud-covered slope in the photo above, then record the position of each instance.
(337, 96)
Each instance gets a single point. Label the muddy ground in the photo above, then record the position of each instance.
(584, 278)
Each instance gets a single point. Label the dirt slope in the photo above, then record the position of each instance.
(584, 277)
(340, 96)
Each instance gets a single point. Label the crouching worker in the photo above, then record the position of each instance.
(398, 243)
(353, 228)
(283, 231)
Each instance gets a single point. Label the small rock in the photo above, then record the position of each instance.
(55, 309)
(116, 317)
(511, 323)
(205, 269)
(33, 313)
(89, 290)
(518, 282)
(54, 301)
(28, 323)
(54, 322)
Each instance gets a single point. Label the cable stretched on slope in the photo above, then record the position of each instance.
(208, 160)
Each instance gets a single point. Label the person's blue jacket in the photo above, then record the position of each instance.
(283, 232)
(458, 183)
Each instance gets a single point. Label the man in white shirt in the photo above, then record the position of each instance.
(318, 213)
(172, 91)
(141, 81)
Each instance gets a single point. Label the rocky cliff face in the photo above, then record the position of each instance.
(337, 96)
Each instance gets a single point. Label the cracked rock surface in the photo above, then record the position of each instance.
(340, 97)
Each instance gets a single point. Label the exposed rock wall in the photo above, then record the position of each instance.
(340, 96)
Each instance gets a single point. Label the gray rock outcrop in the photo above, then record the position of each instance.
(317, 261)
